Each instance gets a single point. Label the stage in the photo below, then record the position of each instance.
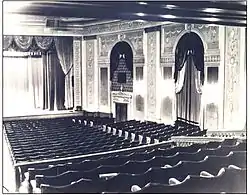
(36, 114)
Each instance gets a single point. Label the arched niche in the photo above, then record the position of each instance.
(190, 41)
(119, 49)
(189, 76)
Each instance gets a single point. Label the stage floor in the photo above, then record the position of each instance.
(40, 114)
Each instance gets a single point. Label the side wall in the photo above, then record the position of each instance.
(224, 91)
(153, 97)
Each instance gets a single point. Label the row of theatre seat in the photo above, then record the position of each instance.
(152, 132)
(33, 140)
(213, 167)
(146, 170)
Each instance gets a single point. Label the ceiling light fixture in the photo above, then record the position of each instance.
(212, 19)
(143, 3)
(211, 10)
(140, 20)
(170, 6)
(168, 16)
(140, 14)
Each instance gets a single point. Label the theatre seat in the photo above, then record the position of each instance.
(195, 184)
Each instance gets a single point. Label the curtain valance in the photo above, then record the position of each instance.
(43, 43)
(189, 44)
(26, 43)
(7, 41)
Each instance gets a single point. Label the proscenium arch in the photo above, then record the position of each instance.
(121, 47)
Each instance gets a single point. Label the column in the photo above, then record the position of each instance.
(77, 58)
(152, 66)
(234, 102)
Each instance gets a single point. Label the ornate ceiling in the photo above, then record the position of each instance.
(73, 13)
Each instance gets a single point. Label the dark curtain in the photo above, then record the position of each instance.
(45, 81)
(56, 83)
(50, 76)
(189, 99)
(189, 76)
(190, 42)
(64, 48)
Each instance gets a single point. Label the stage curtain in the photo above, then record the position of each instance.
(17, 91)
(64, 48)
(37, 81)
(55, 83)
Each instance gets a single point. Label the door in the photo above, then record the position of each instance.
(121, 112)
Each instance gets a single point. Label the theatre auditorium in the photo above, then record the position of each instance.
(112, 97)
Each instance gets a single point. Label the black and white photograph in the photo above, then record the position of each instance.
(124, 97)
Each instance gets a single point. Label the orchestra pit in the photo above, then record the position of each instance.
(124, 97)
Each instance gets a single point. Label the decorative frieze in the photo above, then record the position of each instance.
(106, 44)
(210, 58)
(169, 38)
(122, 97)
(210, 33)
(135, 38)
(77, 55)
(228, 134)
(168, 60)
(103, 61)
(151, 74)
(116, 26)
(90, 70)
(140, 60)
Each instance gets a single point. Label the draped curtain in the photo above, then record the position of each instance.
(22, 84)
(189, 76)
(64, 48)
(189, 98)
(55, 83)
(31, 81)
(36, 66)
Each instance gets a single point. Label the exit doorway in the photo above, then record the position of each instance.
(121, 112)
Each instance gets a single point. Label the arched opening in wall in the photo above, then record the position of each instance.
(189, 76)
(121, 67)
(121, 76)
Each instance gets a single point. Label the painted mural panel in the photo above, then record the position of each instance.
(104, 86)
(151, 74)
(232, 78)
(90, 71)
